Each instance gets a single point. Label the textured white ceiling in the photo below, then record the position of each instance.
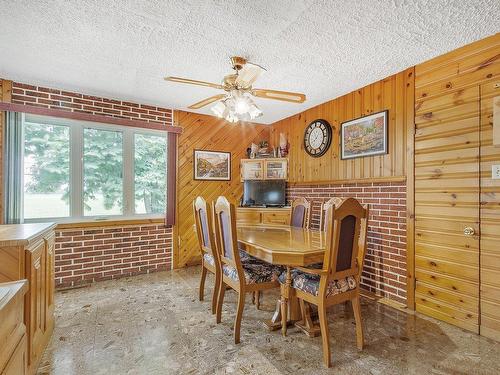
(123, 48)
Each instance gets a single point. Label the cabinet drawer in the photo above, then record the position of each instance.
(248, 217)
(282, 218)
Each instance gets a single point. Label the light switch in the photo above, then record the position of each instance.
(495, 172)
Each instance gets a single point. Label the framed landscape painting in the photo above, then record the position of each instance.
(212, 165)
(364, 136)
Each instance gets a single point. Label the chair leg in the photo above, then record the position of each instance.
(220, 300)
(325, 334)
(284, 315)
(356, 306)
(202, 282)
(239, 315)
(215, 295)
(257, 299)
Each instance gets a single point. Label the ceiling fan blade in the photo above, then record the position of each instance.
(248, 74)
(206, 101)
(193, 82)
(285, 96)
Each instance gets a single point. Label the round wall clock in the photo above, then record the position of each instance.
(317, 138)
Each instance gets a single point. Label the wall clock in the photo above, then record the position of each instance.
(317, 138)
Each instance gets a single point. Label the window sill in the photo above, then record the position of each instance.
(110, 223)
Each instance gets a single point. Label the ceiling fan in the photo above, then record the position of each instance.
(236, 104)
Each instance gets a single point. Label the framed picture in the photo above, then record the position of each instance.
(364, 136)
(212, 165)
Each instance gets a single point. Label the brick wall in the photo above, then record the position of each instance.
(84, 255)
(384, 272)
(75, 102)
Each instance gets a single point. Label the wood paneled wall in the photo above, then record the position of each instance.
(458, 273)
(207, 133)
(394, 93)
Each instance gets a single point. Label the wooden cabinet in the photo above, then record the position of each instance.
(27, 252)
(276, 169)
(13, 348)
(280, 217)
(264, 169)
(252, 169)
(264, 216)
(17, 364)
(245, 216)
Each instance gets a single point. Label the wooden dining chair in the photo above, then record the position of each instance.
(243, 276)
(325, 207)
(210, 259)
(338, 280)
(300, 213)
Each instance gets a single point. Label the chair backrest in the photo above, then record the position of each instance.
(325, 207)
(226, 236)
(346, 242)
(204, 228)
(300, 213)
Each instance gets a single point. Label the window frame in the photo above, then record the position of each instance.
(76, 145)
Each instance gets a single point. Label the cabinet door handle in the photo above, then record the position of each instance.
(469, 231)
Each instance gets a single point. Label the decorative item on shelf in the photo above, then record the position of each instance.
(212, 165)
(253, 150)
(263, 150)
(283, 147)
(364, 136)
(317, 138)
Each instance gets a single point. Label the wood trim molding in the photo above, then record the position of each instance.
(171, 178)
(351, 181)
(6, 91)
(87, 117)
(410, 188)
(109, 223)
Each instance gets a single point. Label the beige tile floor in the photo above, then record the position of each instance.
(154, 324)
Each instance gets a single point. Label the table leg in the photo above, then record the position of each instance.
(274, 323)
(285, 292)
(287, 295)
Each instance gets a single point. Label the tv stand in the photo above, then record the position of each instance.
(263, 215)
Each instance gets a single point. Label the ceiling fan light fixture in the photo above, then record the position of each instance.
(236, 106)
(242, 105)
(254, 111)
(219, 109)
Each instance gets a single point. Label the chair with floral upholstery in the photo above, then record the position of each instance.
(210, 260)
(300, 213)
(338, 280)
(242, 275)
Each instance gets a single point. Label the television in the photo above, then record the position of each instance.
(264, 193)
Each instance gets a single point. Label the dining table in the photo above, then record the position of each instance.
(288, 247)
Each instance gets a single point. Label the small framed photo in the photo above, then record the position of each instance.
(364, 136)
(212, 165)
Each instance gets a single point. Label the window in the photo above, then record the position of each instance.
(80, 170)
(46, 171)
(150, 173)
(102, 172)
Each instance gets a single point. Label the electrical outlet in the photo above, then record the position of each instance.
(495, 172)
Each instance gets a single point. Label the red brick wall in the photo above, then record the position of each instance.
(75, 102)
(84, 255)
(384, 272)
